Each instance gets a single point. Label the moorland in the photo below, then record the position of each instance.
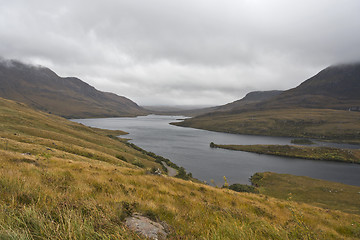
(63, 180)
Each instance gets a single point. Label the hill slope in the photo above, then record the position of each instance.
(339, 81)
(250, 98)
(317, 108)
(336, 87)
(62, 180)
(70, 97)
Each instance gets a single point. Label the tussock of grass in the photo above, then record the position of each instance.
(72, 185)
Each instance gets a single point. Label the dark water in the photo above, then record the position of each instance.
(189, 148)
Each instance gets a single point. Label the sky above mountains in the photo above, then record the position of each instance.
(182, 52)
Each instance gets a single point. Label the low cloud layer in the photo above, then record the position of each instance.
(182, 52)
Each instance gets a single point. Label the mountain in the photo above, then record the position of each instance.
(335, 87)
(339, 81)
(70, 97)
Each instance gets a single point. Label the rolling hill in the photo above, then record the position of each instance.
(63, 180)
(70, 97)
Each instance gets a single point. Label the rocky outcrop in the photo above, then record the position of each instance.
(146, 227)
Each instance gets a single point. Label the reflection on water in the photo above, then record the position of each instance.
(189, 148)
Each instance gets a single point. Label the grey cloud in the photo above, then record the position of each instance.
(198, 52)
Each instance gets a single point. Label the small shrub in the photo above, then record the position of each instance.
(182, 174)
(256, 178)
(237, 187)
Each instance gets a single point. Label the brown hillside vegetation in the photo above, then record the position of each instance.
(62, 180)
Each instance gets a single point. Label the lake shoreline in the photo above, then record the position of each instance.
(189, 148)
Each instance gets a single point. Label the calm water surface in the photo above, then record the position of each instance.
(189, 148)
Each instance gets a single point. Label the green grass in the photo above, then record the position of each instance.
(62, 180)
(321, 193)
(316, 153)
(324, 124)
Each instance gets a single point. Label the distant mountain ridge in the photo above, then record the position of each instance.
(335, 87)
(341, 81)
(69, 97)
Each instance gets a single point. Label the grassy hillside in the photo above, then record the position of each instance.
(41, 88)
(249, 100)
(326, 124)
(325, 194)
(316, 153)
(62, 180)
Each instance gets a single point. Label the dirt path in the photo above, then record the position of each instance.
(171, 171)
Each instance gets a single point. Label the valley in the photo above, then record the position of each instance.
(179, 120)
(65, 180)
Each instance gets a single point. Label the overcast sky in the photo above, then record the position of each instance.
(182, 52)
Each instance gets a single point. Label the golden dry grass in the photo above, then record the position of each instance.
(329, 195)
